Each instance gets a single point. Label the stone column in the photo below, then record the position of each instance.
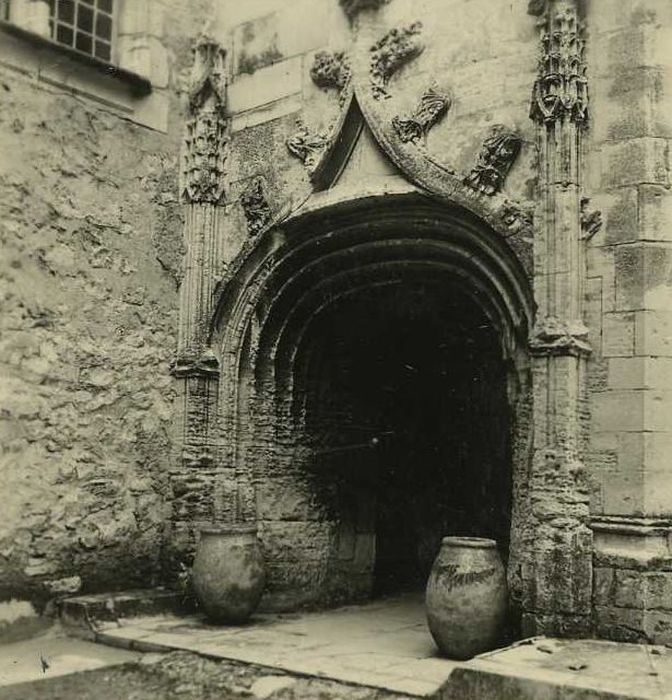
(196, 477)
(557, 586)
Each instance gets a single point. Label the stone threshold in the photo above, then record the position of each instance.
(383, 644)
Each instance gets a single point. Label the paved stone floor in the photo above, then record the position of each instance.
(53, 654)
(383, 644)
(386, 644)
(367, 652)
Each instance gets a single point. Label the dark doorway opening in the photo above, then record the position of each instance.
(405, 407)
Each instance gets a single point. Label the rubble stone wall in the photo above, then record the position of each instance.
(90, 265)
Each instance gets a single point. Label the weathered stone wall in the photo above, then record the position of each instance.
(90, 264)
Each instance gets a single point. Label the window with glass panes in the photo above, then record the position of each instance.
(85, 25)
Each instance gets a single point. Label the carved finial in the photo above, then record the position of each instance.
(431, 107)
(306, 145)
(495, 159)
(257, 211)
(208, 73)
(207, 132)
(389, 54)
(352, 7)
(561, 88)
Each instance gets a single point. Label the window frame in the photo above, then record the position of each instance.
(140, 85)
(93, 5)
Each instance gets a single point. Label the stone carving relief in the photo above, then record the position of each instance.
(551, 335)
(497, 155)
(516, 217)
(561, 88)
(431, 107)
(331, 69)
(307, 146)
(352, 7)
(257, 210)
(591, 221)
(207, 129)
(389, 54)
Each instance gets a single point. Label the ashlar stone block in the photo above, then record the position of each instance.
(636, 161)
(655, 213)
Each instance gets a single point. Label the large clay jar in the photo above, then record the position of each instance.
(466, 597)
(228, 573)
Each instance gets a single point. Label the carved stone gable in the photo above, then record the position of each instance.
(389, 54)
(207, 132)
(497, 155)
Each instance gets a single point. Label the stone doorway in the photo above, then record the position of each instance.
(373, 396)
(406, 408)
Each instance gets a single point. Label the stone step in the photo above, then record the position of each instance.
(84, 615)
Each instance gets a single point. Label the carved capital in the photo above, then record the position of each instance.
(431, 107)
(498, 153)
(257, 210)
(561, 89)
(353, 7)
(203, 364)
(389, 54)
(207, 128)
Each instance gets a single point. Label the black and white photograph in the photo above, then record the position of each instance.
(335, 349)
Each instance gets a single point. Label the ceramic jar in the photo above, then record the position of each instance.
(228, 573)
(466, 597)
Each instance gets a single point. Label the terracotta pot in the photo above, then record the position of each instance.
(228, 573)
(466, 597)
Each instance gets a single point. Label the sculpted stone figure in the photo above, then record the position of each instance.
(307, 146)
(495, 159)
(257, 211)
(431, 107)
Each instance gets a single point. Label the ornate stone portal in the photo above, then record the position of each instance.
(283, 279)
